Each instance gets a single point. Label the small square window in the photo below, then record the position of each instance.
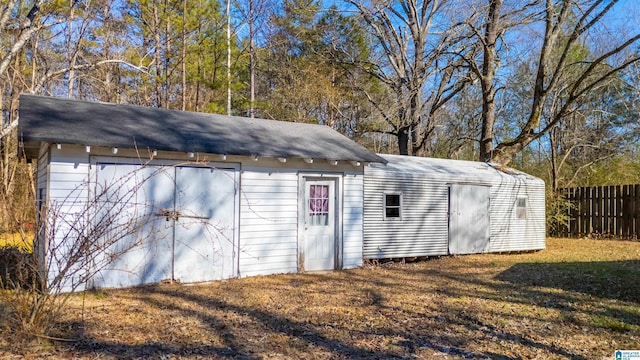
(521, 209)
(392, 206)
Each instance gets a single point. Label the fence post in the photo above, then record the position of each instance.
(627, 209)
(606, 210)
(571, 213)
(584, 211)
(618, 197)
(635, 212)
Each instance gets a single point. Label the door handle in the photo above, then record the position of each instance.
(168, 214)
(176, 215)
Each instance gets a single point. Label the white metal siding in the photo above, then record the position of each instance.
(268, 221)
(68, 193)
(509, 233)
(352, 220)
(422, 229)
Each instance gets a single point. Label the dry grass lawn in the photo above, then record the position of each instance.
(579, 299)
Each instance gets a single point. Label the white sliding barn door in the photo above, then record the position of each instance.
(127, 199)
(204, 235)
(189, 223)
(319, 225)
(469, 229)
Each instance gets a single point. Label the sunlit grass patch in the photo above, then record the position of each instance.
(22, 242)
(612, 323)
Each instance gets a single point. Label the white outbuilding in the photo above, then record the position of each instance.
(418, 207)
(216, 196)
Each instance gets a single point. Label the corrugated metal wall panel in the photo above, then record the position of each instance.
(509, 233)
(423, 229)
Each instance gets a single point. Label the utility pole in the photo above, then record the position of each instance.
(229, 57)
(252, 63)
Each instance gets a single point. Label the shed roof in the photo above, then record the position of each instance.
(448, 169)
(54, 120)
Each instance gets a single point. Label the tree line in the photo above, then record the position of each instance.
(548, 86)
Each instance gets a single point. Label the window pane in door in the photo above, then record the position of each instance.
(318, 205)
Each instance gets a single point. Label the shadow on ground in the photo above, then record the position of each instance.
(616, 280)
(454, 308)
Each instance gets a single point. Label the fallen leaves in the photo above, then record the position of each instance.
(481, 306)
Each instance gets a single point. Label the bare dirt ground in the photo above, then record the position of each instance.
(579, 299)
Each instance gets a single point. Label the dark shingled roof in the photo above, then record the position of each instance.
(53, 120)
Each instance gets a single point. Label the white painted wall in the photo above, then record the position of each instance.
(68, 193)
(269, 220)
(269, 205)
(42, 192)
(352, 231)
(269, 199)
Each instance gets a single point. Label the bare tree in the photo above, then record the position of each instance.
(414, 42)
(255, 13)
(21, 28)
(558, 77)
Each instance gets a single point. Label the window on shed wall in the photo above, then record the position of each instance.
(392, 206)
(521, 208)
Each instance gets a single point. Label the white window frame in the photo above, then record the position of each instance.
(521, 211)
(385, 206)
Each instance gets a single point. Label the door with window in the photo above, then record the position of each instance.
(319, 225)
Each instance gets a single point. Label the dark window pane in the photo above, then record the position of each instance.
(392, 212)
(393, 200)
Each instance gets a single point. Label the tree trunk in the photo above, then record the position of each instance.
(167, 52)
(403, 140)
(158, 59)
(71, 53)
(229, 57)
(554, 160)
(489, 67)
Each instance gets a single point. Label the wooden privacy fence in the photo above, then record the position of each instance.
(603, 211)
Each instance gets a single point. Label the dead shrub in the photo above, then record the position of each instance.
(17, 268)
